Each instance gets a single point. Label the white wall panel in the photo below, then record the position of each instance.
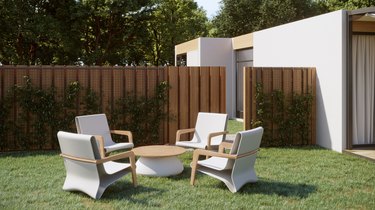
(315, 42)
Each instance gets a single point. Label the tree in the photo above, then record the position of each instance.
(333, 5)
(34, 32)
(238, 17)
(173, 22)
(110, 28)
(96, 32)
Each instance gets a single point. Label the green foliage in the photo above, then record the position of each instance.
(141, 115)
(5, 104)
(238, 17)
(41, 113)
(96, 32)
(173, 22)
(284, 118)
(91, 104)
(333, 5)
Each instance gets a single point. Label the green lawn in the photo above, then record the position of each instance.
(234, 126)
(290, 178)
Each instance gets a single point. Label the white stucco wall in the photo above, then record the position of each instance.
(218, 52)
(192, 58)
(315, 42)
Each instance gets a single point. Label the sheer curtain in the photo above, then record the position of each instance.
(363, 47)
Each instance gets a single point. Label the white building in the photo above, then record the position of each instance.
(340, 44)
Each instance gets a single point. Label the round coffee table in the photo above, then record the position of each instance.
(158, 160)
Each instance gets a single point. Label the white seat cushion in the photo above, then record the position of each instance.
(191, 144)
(217, 163)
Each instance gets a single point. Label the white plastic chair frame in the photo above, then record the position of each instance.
(101, 171)
(236, 174)
(220, 131)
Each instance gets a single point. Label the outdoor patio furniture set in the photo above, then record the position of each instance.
(90, 168)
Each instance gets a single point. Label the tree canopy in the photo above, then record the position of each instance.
(134, 32)
(238, 17)
(96, 32)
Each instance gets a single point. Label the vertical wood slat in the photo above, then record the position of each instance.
(107, 89)
(204, 84)
(163, 76)
(84, 81)
(96, 84)
(140, 80)
(118, 85)
(223, 90)
(194, 95)
(130, 78)
(152, 81)
(173, 104)
(214, 87)
(183, 95)
(24, 126)
(8, 82)
(247, 82)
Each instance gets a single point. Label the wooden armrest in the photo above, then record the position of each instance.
(211, 135)
(100, 139)
(199, 152)
(183, 131)
(124, 133)
(225, 145)
(118, 156)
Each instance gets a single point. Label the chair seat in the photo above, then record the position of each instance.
(195, 145)
(217, 163)
(191, 144)
(114, 167)
(118, 146)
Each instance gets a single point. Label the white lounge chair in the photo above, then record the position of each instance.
(86, 170)
(97, 125)
(209, 131)
(234, 169)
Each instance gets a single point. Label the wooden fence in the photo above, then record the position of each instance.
(288, 80)
(193, 89)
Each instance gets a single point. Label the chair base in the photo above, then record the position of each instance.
(161, 166)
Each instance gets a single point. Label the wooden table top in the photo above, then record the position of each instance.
(158, 151)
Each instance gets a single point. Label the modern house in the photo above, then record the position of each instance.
(340, 44)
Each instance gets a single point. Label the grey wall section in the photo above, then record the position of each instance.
(315, 42)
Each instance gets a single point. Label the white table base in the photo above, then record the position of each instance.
(159, 166)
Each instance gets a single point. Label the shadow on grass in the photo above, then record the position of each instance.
(270, 187)
(124, 190)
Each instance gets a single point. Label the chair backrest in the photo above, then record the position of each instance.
(78, 145)
(95, 124)
(208, 123)
(247, 141)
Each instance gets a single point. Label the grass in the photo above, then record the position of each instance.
(289, 178)
(234, 126)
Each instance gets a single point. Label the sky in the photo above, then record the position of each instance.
(211, 6)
